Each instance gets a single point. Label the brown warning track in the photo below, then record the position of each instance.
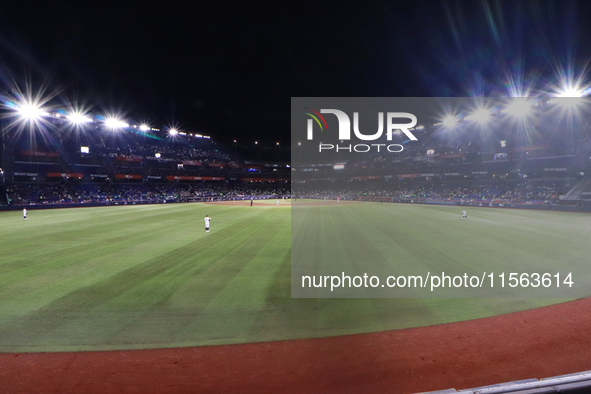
(538, 343)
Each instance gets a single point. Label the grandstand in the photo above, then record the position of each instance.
(59, 162)
(541, 160)
(59, 159)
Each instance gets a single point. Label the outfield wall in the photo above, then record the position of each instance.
(97, 204)
(547, 207)
(582, 206)
(551, 207)
(123, 203)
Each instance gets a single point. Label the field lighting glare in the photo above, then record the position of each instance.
(569, 90)
(570, 97)
(30, 112)
(78, 118)
(449, 121)
(481, 115)
(173, 131)
(113, 123)
(144, 127)
(518, 108)
(568, 102)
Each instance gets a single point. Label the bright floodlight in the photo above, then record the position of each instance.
(481, 115)
(572, 88)
(78, 118)
(449, 121)
(568, 102)
(113, 123)
(518, 108)
(571, 91)
(173, 131)
(570, 96)
(144, 127)
(30, 111)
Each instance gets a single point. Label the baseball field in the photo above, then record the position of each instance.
(149, 276)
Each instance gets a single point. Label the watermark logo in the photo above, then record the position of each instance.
(344, 133)
(314, 116)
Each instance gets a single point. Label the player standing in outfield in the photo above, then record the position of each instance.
(207, 219)
(464, 215)
(24, 213)
(277, 202)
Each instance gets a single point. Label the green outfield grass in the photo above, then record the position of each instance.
(149, 276)
(413, 239)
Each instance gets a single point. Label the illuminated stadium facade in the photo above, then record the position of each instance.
(54, 156)
(533, 151)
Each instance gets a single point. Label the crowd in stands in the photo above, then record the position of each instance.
(92, 193)
(33, 180)
(522, 192)
(168, 153)
(526, 192)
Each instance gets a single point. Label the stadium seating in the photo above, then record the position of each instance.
(98, 166)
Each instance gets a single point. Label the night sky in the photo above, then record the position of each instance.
(230, 71)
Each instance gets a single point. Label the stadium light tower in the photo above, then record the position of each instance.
(519, 108)
(114, 123)
(570, 96)
(173, 131)
(449, 121)
(571, 91)
(480, 115)
(31, 112)
(144, 127)
(78, 118)
(568, 103)
(571, 85)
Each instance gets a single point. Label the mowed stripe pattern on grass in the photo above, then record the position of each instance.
(408, 240)
(149, 276)
(134, 275)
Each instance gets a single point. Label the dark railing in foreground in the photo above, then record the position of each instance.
(566, 384)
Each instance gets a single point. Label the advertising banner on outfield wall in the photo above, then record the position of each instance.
(440, 197)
